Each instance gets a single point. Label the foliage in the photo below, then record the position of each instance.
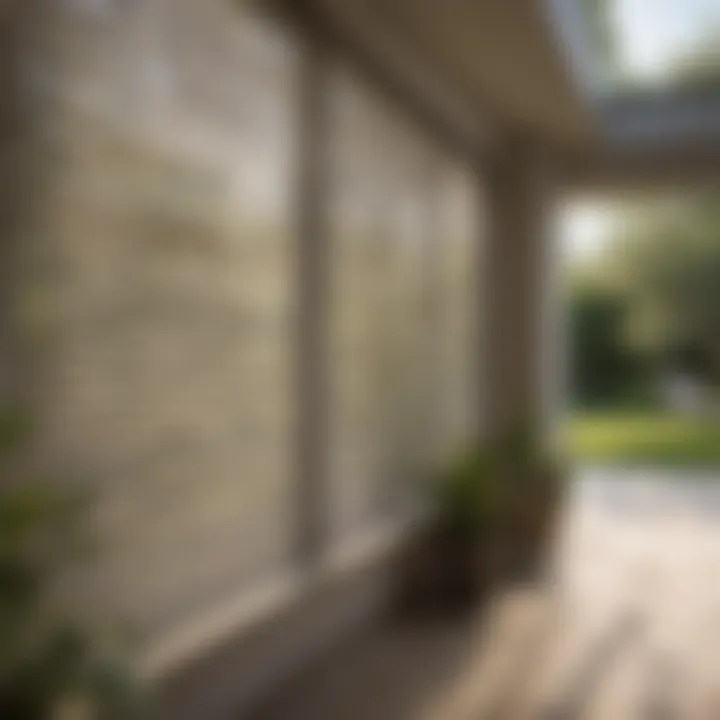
(605, 368)
(470, 497)
(652, 303)
(479, 494)
(699, 67)
(45, 656)
(672, 279)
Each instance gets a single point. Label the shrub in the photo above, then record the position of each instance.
(470, 498)
(47, 659)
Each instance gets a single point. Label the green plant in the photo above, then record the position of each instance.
(470, 498)
(492, 507)
(46, 657)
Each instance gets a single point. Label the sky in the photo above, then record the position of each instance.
(653, 33)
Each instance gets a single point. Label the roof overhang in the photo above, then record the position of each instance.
(498, 63)
(491, 68)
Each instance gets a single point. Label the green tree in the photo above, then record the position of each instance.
(604, 368)
(669, 264)
(700, 66)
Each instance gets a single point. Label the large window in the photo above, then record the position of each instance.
(403, 262)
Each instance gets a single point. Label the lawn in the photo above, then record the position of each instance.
(643, 439)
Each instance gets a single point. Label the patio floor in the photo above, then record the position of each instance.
(628, 626)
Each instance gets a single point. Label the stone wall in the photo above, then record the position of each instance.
(157, 295)
(159, 281)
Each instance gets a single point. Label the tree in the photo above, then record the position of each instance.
(604, 368)
(669, 264)
(700, 66)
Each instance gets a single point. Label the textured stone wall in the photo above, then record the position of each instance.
(160, 283)
(158, 293)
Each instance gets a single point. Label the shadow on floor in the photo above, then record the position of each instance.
(408, 669)
(387, 675)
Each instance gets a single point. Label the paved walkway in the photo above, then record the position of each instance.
(628, 628)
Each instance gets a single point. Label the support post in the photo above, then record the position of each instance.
(519, 205)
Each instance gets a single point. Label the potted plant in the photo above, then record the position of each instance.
(462, 548)
(533, 477)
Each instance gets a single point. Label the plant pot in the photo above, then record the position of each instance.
(530, 525)
(452, 573)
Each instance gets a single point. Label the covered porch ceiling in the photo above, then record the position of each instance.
(497, 62)
(490, 67)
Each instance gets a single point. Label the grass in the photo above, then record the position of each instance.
(643, 439)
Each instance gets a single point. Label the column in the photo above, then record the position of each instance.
(518, 337)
